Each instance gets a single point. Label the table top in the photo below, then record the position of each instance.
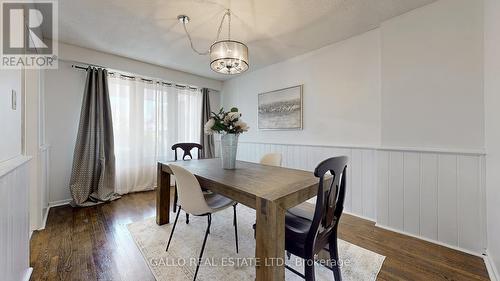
(286, 186)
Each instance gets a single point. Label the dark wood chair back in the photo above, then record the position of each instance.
(186, 148)
(329, 201)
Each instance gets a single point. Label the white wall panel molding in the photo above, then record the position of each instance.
(8, 166)
(361, 193)
(433, 150)
(44, 183)
(14, 223)
(434, 196)
(438, 196)
(385, 148)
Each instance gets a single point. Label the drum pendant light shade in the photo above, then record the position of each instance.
(226, 56)
(229, 57)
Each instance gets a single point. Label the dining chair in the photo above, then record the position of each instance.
(271, 159)
(307, 233)
(193, 201)
(186, 147)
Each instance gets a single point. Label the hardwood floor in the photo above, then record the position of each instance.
(94, 244)
(408, 258)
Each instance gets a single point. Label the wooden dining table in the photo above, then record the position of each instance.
(267, 189)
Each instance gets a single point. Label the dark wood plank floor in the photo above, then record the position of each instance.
(94, 244)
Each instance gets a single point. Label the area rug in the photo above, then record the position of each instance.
(220, 261)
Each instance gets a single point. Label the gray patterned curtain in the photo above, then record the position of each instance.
(93, 174)
(206, 141)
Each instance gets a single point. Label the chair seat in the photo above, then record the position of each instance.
(304, 210)
(296, 230)
(298, 221)
(218, 202)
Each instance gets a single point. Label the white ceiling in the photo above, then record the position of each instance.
(274, 30)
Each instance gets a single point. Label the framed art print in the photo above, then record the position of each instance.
(281, 109)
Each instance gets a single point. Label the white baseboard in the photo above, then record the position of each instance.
(359, 216)
(481, 255)
(46, 215)
(44, 219)
(58, 203)
(28, 273)
(490, 266)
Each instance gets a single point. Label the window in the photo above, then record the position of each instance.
(148, 118)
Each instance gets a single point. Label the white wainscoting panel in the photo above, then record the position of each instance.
(14, 225)
(44, 182)
(361, 185)
(433, 195)
(429, 196)
(396, 190)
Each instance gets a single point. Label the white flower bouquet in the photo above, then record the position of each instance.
(226, 123)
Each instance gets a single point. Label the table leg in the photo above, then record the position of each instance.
(270, 241)
(162, 197)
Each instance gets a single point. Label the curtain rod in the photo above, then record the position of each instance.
(134, 77)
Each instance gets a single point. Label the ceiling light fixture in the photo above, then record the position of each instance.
(226, 56)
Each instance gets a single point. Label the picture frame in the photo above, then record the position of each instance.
(281, 109)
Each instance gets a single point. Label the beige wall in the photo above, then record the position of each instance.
(492, 107)
(415, 82)
(10, 120)
(432, 77)
(79, 54)
(341, 94)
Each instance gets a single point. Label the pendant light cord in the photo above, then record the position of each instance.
(228, 13)
(219, 30)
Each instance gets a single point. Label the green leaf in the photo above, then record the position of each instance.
(234, 109)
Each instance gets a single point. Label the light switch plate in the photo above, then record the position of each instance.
(14, 100)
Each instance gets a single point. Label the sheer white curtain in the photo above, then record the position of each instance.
(148, 118)
(188, 99)
(179, 117)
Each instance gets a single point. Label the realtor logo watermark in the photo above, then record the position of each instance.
(29, 35)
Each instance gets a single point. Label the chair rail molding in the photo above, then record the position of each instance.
(437, 195)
